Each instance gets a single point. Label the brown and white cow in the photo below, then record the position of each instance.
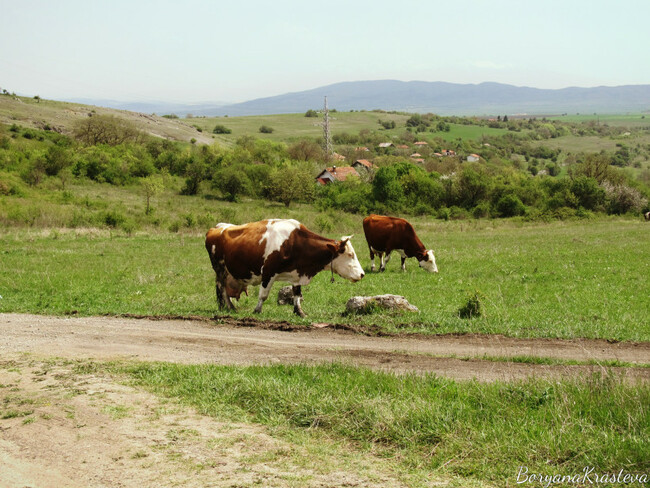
(646, 216)
(387, 234)
(275, 250)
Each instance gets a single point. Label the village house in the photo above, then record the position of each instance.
(329, 175)
(472, 158)
(362, 165)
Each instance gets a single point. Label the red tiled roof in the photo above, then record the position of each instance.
(341, 173)
(365, 162)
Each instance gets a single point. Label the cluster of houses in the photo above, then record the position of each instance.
(341, 173)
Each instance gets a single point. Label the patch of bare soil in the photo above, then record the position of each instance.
(226, 340)
(63, 429)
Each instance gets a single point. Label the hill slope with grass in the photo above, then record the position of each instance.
(37, 113)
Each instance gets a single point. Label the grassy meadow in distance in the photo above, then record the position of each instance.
(560, 279)
(290, 127)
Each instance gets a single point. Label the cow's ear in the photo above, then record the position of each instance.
(333, 249)
(343, 243)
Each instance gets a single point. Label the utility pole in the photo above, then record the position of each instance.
(326, 132)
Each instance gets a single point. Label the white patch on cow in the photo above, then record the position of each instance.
(429, 264)
(293, 277)
(347, 265)
(277, 232)
(214, 248)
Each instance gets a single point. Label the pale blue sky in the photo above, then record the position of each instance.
(199, 50)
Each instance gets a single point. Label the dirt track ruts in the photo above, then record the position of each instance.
(221, 342)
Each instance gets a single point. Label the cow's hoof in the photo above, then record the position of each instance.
(381, 270)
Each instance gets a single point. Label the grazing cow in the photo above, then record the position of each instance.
(387, 234)
(275, 250)
(647, 216)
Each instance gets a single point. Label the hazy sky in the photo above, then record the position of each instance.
(200, 50)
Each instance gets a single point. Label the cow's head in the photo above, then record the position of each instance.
(345, 262)
(428, 261)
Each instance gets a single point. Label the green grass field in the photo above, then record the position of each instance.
(614, 120)
(291, 127)
(563, 279)
(466, 431)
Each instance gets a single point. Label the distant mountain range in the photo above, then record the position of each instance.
(420, 96)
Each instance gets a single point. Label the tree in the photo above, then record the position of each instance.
(386, 187)
(152, 186)
(195, 171)
(305, 150)
(290, 183)
(232, 182)
(472, 186)
(311, 113)
(597, 166)
(106, 129)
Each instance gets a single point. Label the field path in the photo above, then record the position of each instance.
(228, 342)
(63, 427)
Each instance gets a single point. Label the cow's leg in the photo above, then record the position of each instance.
(264, 294)
(372, 260)
(218, 288)
(222, 291)
(384, 262)
(297, 299)
(403, 256)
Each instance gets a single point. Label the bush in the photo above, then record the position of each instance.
(265, 129)
(622, 199)
(510, 206)
(221, 129)
(589, 193)
(482, 210)
(113, 219)
(472, 307)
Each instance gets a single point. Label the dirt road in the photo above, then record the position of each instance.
(60, 428)
(227, 342)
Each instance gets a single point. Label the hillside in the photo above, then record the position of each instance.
(61, 117)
